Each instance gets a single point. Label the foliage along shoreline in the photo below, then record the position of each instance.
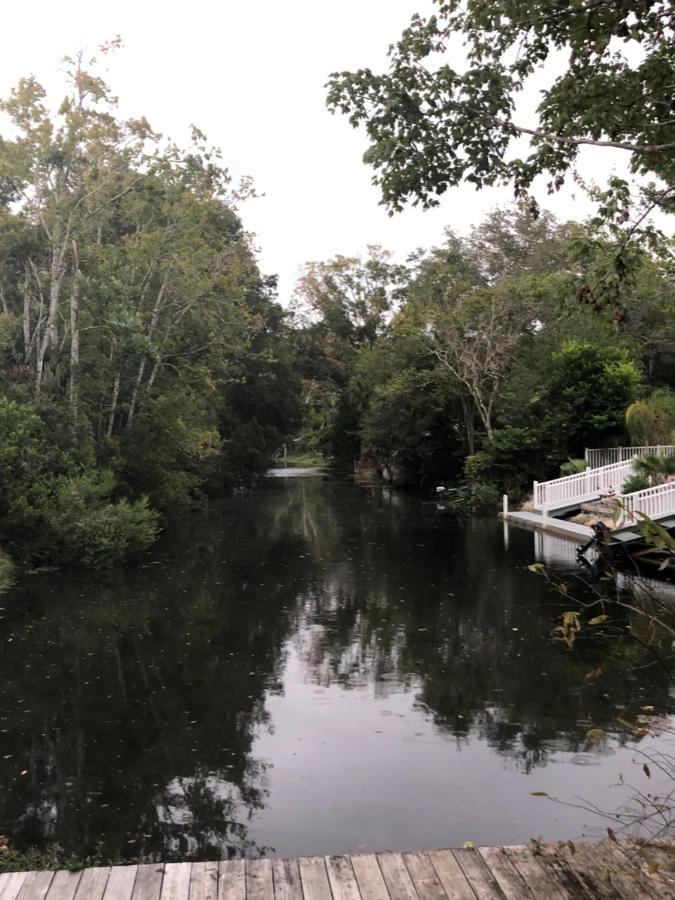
(144, 361)
(146, 365)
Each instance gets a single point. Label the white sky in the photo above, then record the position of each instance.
(251, 76)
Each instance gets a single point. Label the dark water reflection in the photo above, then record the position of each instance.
(310, 669)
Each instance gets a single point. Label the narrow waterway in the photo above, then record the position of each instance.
(312, 668)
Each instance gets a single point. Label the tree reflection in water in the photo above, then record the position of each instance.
(131, 700)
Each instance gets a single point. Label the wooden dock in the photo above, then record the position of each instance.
(611, 870)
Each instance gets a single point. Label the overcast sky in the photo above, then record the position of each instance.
(252, 76)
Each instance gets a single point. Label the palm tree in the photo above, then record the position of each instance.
(649, 471)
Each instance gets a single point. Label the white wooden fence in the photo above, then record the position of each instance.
(656, 502)
(588, 485)
(604, 457)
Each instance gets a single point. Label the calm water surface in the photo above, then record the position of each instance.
(309, 669)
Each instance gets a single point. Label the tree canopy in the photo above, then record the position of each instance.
(446, 110)
(134, 323)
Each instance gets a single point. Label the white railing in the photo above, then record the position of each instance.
(583, 486)
(604, 457)
(656, 502)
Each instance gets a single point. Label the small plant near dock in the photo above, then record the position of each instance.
(32, 859)
(645, 628)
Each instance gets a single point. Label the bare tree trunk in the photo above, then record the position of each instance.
(3, 300)
(468, 425)
(153, 374)
(113, 404)
(157, 309)
(137, 385)
(74, 386)
(50, 335)
(26, 316)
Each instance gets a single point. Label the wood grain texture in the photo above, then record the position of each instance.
(424, 876)
(204, 881)
(176, 882)
(259, 883)
(120, 885)
(286, 877)
(232, 880)
(396, 876)
(10, 884)
(369, 877)
(502, 870)
(148, 884)
(93, 883)
(314, 878)
(604, 870)
(341, 878)
(608, 871)
(35, 887)
(451, 876)
(544, 880)
(63, 886)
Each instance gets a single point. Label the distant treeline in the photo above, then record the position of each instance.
(491, 359)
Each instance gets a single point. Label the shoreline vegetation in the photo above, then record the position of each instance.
(146, 365)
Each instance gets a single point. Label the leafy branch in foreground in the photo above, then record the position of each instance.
(446, 110)
(649, 624)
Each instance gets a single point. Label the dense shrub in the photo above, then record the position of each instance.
(56, 510)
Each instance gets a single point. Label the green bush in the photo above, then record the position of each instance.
(6, 572)
(636, 482)
(54, 509)
(33, 859)
(87, 529)
(479, 467)
(481, 498)
(652, 421)
(573, 467)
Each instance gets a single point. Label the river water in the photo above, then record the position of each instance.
(312, 668)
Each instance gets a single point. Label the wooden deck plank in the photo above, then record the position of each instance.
(624, 879)
(314, 878)
(481, 879)
(286, 878)
(451, 876)
(232, 880)
(593, 874)
(64, 885)
(342, 879)
(630, 864)
(396, 876)
(549, 882)
(369, 877)
(655, 863)
(92, 884)
(35, 887)
(604, 870)
(120, 885)
(512, 885)
(658, 884)
(176, 882)
(424, 877)
(204, 881)
(148, 884)
(10, 884)
(259, 883)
